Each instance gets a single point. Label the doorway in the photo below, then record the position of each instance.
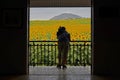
(43, 47)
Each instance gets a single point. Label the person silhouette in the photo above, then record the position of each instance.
(63, 46)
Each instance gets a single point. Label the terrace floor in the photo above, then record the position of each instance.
(52, 73)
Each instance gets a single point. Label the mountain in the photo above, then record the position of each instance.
(65, 16)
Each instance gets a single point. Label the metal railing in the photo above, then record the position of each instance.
(46, 53)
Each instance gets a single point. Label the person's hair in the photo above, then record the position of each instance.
(63, 28)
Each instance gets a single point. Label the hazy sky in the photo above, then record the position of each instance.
(47, 13)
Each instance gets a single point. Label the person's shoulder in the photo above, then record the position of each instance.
(57, 33)
(68, 33)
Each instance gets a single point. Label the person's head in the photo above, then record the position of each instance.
(63, 28)
(59, 28)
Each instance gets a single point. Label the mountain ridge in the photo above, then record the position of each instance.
(65, 16)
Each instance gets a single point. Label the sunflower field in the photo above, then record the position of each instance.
(44, 30)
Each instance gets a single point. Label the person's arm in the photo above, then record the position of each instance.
(69, 37)
(57, 35)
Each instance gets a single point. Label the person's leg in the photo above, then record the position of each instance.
(64, 57)
(59, 56)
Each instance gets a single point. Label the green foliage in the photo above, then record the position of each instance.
(46, 54)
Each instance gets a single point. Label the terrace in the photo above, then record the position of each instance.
(43, 57)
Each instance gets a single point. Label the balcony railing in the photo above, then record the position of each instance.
(46, 53)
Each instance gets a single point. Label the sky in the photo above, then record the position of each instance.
(47, 13)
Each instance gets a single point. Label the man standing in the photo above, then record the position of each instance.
(63, 46)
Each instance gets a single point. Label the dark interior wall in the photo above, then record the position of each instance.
(13, 37)
(106, 25)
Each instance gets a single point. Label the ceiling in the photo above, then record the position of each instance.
(60, 3)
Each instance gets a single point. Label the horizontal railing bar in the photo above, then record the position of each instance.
(57, 45)
(57, 41)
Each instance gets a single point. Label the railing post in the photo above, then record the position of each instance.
(80, 54)
(44, 54)
(55, 53)
(41, 54)
(48, 55)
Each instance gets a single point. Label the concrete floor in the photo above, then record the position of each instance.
(52, 70)
(52, 73)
